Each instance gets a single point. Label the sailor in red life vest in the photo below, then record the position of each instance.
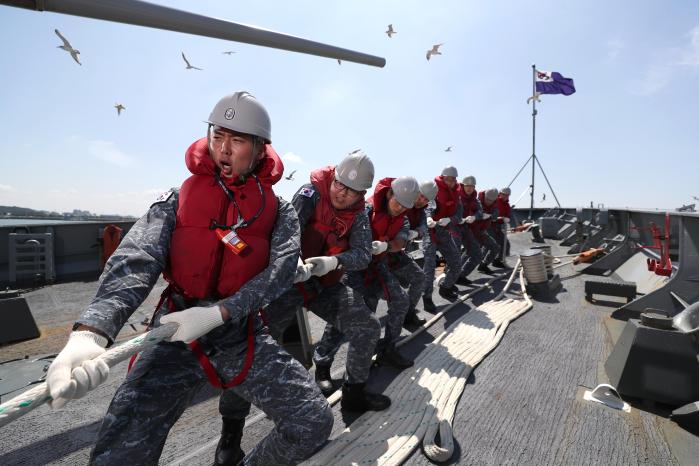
(215, 292)
(503, 222)
(481, 229)
(403, 266)
(442, 220)
(473, 211)
(335, 237)
(390, 231)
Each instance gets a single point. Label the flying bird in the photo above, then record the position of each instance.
(189, 67)
(228, 52)
(695, 198)
(448, 149)
(535, 98)
(67, 47)
(119, 108)
(390, 31)
(434, 51)
(291, 176)
(543, 198)
(339, 62)
(355, 151)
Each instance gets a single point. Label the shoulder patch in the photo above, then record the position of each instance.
(165, 196)
(308, 192)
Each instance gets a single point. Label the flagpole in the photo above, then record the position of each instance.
(531, 206)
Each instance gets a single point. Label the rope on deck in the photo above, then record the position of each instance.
(32, 399)
(424, 398)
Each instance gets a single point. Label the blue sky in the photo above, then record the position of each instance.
(628, 137)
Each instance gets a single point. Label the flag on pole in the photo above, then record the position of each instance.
(551, 82)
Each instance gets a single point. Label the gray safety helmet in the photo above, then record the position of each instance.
(469, 181)
(491, 194)
(429, 189)
(405, 189)
(356, 171)
(506, 191)
(450, 171)
(243, 113)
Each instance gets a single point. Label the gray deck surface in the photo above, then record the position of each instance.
(521, 405)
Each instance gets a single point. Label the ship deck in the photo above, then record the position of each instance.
(522, 405)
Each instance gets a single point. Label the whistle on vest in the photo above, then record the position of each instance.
(233, 242)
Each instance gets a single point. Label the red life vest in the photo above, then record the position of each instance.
(327, 231)
(415, 216)
(469, 201)
(504, 209)
(487, 209)
(447, 199)
(384, 226)
(200, 264)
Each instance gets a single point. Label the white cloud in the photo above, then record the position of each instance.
(6, 188)
(614, 47)
(690, 55)
(291, 157)
(108, 152)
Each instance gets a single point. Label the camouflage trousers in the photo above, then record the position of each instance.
(381, 283)
(471, 256)
(165, 378)
(445, 243)
(500, 237)
(409, 274)
(491, 250)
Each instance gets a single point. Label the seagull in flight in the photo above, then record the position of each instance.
(67, 47)
(189, 67)
(695, 198)
(228, 52)
(119, 108)
(339, 62)
(543, 198)
(390, 31)
(448, 149)
(291, 176)
(433, 51)
(355, 151)
(535, 98)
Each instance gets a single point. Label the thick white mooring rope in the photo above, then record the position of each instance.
(31, 399)
(424, 398)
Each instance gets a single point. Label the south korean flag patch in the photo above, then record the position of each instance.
(308, 192)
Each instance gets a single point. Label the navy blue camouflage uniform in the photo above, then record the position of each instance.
(472, 256)
(445, 239)
(343, 308)
(165, 378)
(404, 267)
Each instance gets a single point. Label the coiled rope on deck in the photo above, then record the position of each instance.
(32, 399)
(424, 398)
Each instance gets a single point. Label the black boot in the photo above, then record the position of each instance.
(463, 281)
(450, 294)
(323, 380)
(354, 398)
(228, 451)
(428, 305)
(391, 357)
(483, 268)
(499, 264)
(412, 319)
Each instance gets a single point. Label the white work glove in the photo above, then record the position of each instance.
(462, 221)
(506, 220)
(486, 216)
(322, 265)
(442, 222)
(378, 247)
(193, 322)
(303, 272)
(470, 219)
(412, 234)
(74, 372)
(431, 223)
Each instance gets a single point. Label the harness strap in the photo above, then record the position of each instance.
(209, 370)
